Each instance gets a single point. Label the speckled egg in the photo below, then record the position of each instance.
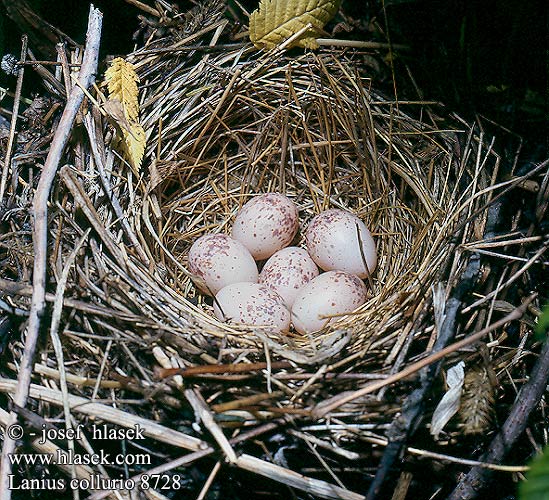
(334, 243)
(266, 224)
(216, 260)
(287, 271)
(252, 304)
(330, 294)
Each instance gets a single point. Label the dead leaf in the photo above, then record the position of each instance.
(276, 20)
(123, 108)
(449, 404)
(115, 111)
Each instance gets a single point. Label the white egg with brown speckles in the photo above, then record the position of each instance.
(266, 224)
(329, 295)
(252, 304)
(287, 271)
(216, 260)
(339, 240)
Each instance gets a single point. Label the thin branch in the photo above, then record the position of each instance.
(58, 346)
(527, 399)
(322, 410)
(145, 8)
(192, 371)
(359, 44)
(107, 413)
(204, 414)
(15, 114)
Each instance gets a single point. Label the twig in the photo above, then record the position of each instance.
(315, 487)
(109, 191)
(178, 462)
(49, 448)
(209, 481)
(359, 44)
(83, 201)
(49, 81)
(321, 410)
(210, 369)
(15, 114)
(40, 210)
(204, 414)
(511, 280)
(245, 401)
(192, 457)
(527, 399)
(145, 8)
(403, 484)
(412, 409)
(405, 425)
(65, 67)
(381, 441)
(349, 455)
(58, 346)
(109, 414)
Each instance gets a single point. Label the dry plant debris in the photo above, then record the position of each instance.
(123, 108)
(276, 21)
(140, 346)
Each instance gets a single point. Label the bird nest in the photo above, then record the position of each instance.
(132, 341)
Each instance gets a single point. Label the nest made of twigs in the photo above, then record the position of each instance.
(225, 122)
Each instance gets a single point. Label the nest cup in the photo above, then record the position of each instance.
(312, 126)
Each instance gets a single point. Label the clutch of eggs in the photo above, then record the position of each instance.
(290, 288)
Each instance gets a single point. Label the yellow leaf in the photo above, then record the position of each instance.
(276, 20)
(122, 84)
(134, 142)
(123, 108)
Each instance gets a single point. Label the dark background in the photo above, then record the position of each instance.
(487, 57)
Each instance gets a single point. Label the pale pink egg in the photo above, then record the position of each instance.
(266, 224)
(330, 294)
(216, 260)
(339, 240)
(252, 304)
(287, 271)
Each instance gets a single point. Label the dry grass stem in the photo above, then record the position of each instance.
(133, 342)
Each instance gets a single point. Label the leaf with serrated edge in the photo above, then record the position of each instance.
(123, 107)
(277, 20)
(122, 84)
(134, 142)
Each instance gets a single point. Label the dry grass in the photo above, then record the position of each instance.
(224, 123)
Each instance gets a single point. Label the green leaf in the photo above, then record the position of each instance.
(536, 486)
(542, 327)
